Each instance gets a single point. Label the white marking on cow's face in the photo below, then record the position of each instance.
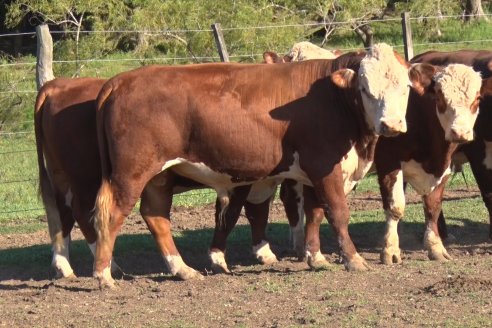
(263, 190)
(61, 260)
(354, 168)
(68, 198)
(457, 89)
(174, 263)
(488, 155)
(420, 180)
(385, 85)
(263, 253)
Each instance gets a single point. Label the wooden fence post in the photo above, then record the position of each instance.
(44, 55)
(219, 41)
(407, 35)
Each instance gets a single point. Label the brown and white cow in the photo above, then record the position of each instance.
(479, 151)
(227, 125)
(301, 51)
(68, 160)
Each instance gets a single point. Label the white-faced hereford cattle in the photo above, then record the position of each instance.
(227, 125)
(439, 118)
(479, 151)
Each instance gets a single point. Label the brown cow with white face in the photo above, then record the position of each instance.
(227, 125)
(479, 151)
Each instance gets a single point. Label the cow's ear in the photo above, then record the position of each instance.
(270, 57)
(344, 78)
(286, 59)
(421, 77)
(486, 89)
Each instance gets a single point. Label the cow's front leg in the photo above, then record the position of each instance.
(226, 217)
(432, 209)
(330, 193)
(314, 216)
(393, 197)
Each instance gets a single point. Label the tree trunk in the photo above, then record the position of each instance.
(474, 10)
(366, 34)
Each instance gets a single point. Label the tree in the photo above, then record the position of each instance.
(474, 10)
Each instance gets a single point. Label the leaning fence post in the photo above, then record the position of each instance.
(44, 55)
(407, 35)
(219, 41)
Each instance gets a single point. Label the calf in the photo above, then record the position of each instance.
(228, 125)
(479, 151)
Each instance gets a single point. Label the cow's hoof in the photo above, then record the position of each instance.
(267, 258)
(105, 280)
(317, 260)
(439, 254)
(356, 263)
(264, 254)
(219, 264)
(390, 255)
(218, 268)
(187, 273)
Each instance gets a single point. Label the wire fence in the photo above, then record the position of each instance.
(18, 166)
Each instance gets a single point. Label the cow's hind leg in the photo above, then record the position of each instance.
(432, 209)
(155, 208)
(225, 220)
(291, 194)
(61, 240)
(257, 215)
(392, 192)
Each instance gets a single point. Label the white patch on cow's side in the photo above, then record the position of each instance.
(488, 155)
(263, 253)
(175, 263)
(295, 172)
(385, 87)
(460, 85)
(68, 198)
(263, 190)
(354, 168)
(420, 180)
(61, 259)
(306, 50)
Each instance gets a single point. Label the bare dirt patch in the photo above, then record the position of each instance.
(417, 293)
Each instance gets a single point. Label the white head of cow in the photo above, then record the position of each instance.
(384, 86)
(457, 97)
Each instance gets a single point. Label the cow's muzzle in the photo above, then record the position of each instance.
(460, 136)
(392, 130)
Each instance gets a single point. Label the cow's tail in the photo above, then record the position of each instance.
(46, 189)
(104, 199)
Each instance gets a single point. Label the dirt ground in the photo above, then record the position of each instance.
(287, 294)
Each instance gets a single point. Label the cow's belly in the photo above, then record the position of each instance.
(223, 183)
(354, 168)
(421, 181)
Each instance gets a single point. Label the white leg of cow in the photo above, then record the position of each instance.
(178, 268)
(435, 248)
(391, 251)
(218, 262)
(61, 258)
(297, 237)
(263, 253)
(115, 268)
